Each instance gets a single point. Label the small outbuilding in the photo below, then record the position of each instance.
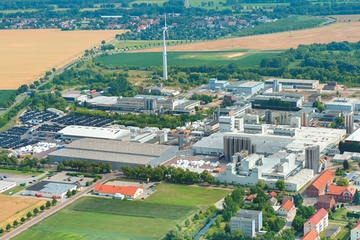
(50, 189)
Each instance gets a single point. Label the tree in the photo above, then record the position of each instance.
(48, 204)
(8, 226)
(280, 184)
(22, 219)
(53, 202)
(298, 223)
(73, 192)
(226, 184)
(15, 223)
(342, 182)
(1, 231)
(187, 222)
(346, 165)
(36, 211)
(356, 197)
(68, 194)
(103, 42)
(29, 215)
(42, 207)
(298, 200)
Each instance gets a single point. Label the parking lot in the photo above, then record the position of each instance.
(41, 126)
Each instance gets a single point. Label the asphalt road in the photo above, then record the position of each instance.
(53, 210)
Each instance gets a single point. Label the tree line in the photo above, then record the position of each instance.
(84, 166)
(170, 174)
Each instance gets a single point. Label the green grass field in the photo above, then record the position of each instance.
(5, 94)
(102, 218)
(18, 172)
(186, 59)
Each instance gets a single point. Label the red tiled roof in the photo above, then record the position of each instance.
(250, 197)
(112, 189)
(273, 194)
(287, 206)
(336, 190)
(323, 179)
(325, 199)
(318, 216)
(312, 235)
(357, 225)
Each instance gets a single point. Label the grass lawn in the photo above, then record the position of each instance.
(103, 218)
(19, 172)
(186, 195)
(5, 94)
(146, 59)
(14, 190)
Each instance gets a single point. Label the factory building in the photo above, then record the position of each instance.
(74, 132)
(248, 87)
(276, 102)
(292, 83)
(354, 137)
(342, 104)
(234, 144)
(50, 189)
(117, 153)
(215, 84)
(74, 96)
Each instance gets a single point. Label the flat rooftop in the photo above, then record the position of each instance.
(283, 80)
(94, 132)
(52, 187)
(269, 143)
(248, 84)
(103, 100)
(354, 137)
(114, 151)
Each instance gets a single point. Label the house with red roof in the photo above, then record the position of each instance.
(355, 232)
(312, 235)
(318, 222)
(340, 193)
(317, 187)
(249, 199)
(130, 192)
(285, 208)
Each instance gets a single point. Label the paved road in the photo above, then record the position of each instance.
(52, 210)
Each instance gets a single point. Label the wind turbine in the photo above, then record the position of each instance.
(165, 77)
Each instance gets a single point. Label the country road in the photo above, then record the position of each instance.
(53, 210)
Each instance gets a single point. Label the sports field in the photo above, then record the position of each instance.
(146, 59)
(14, 208)
(27, 54)
(103, 218)
(341, 31)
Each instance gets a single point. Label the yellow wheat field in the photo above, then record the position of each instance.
(25, 55)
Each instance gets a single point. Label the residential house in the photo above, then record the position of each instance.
(285, 208)
(249, 199)
(311, 235)
(317, 187)
(318, 221)
(272, 194)
(130, 192)
(355, 232)
(272, 201)
(340, 193)
(326, 201)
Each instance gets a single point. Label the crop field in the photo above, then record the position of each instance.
(14, 208)
(27, 54)
(102, 218)
(347, 18)
(342, 31)
(140, 59)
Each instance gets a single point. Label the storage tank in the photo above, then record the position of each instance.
(295, 122)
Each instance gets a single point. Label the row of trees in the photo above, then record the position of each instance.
(171, 174)
(85, 166)
(35, 212)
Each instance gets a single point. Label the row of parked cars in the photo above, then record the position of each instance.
(83, 121)
(36, 117)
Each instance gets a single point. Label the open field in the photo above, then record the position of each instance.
(27, 54)
(103, 218)
(140, 59)
(346, 18)
(344, 31)
(14, 208)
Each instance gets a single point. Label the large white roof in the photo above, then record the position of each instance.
(94, 132)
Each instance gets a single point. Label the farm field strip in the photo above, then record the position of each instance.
(337, 32)
(29, 53)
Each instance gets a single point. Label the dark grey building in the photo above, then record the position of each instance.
(312, 157)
